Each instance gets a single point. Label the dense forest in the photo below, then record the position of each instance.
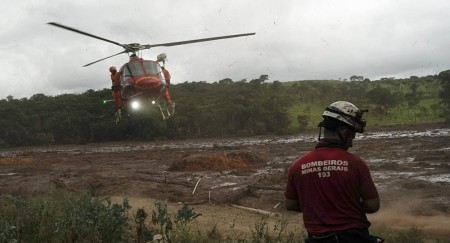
(223, 109)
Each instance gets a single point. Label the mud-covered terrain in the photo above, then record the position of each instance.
(410, 165)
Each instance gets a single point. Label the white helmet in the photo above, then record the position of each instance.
(347, 113)
(161, 57)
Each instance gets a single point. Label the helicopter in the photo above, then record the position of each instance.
(141, 81)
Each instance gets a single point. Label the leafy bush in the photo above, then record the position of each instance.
(61, 216)
(143, 231)
(90, 220)
(179, 233)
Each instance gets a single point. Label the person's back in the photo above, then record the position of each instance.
(332, 187)
(330, 180)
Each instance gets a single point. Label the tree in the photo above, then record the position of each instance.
(444, 75)
(260, 80)
(302, 121)
(226, 81)
(276, 84)
(383, 98)
(356, 78)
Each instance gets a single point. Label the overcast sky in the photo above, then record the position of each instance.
(295, 40)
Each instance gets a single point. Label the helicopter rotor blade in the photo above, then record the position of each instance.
(105, 58)
(84, 33)
(196, 40)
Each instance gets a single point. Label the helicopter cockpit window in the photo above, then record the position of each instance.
(132, 69)
(152, 67)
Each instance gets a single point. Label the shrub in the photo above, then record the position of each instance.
(90, 220)
(62, 216)
(178, 232)
(262, 233)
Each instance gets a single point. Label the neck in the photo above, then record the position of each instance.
(333, 139)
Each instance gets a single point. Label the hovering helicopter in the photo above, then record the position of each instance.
(141, 81)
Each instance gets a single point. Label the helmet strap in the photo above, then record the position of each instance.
(320, 132)
(343, 138)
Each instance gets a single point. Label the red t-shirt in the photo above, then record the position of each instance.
(329, 184)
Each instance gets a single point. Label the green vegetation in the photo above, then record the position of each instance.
(63, 216)
(223, 108)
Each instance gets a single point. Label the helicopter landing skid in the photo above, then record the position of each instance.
(168, 111)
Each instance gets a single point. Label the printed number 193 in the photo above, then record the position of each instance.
(324, 174)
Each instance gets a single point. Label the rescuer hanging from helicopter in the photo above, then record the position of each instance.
(116, 88)
(162, 58)
(167, 78)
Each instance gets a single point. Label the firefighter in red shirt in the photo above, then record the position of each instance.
(332, 187)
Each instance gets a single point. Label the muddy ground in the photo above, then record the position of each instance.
(409, 164)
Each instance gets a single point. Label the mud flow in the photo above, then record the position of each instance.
(410, 166)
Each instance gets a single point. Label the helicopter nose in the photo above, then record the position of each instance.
(148, 82)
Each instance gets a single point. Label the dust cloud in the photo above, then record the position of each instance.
(413, 211)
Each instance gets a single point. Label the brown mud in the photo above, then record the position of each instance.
(410, 166)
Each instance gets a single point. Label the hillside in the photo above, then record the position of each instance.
(222, 109)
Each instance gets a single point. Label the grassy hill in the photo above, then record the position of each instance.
(390, 102)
